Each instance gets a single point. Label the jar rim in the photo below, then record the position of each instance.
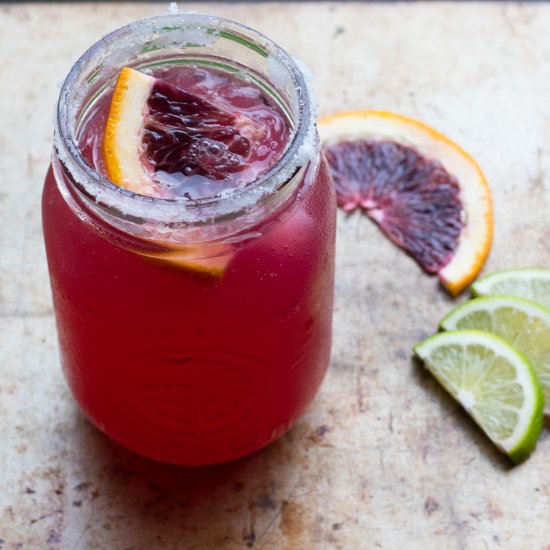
(125, 203)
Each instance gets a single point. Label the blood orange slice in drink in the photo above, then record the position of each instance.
(155, 129)
(426, 194)
(209, 261)
(156, 132)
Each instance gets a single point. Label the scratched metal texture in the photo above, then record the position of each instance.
(383, 458)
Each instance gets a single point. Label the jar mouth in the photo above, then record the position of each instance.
(180, 33)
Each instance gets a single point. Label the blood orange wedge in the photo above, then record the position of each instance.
(426, 194)
(210, 261)
(155, 131)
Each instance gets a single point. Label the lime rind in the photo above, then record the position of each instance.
(524, 324)
(472, 364)
(531, 283)
(492, 302)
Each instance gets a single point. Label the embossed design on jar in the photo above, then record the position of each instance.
(193, 393)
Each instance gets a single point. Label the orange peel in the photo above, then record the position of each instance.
(123, 132)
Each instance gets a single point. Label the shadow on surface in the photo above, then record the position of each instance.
(451, 408)
(227, 505)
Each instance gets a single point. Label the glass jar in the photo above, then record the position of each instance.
(192, 332)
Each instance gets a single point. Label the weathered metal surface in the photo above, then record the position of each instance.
(383, 459)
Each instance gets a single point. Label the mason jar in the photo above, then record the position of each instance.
(191, 331)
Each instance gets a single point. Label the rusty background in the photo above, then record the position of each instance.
(383, 459)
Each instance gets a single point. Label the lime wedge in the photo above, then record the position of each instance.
(494, 383)
(523, 324)
(532, 283)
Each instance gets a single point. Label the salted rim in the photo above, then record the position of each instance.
(127, 203)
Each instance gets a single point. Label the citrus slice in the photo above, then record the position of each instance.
(494, 383)
(523, 324)
(531, 283)
(425, 193)
(124, 132)
(210, 261)
(155, 130)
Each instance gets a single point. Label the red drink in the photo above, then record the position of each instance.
(193, 331)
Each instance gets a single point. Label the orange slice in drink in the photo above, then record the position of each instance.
(209, 261)
(424, 192)
(155, 129)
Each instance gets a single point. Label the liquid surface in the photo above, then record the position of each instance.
(205, 131)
